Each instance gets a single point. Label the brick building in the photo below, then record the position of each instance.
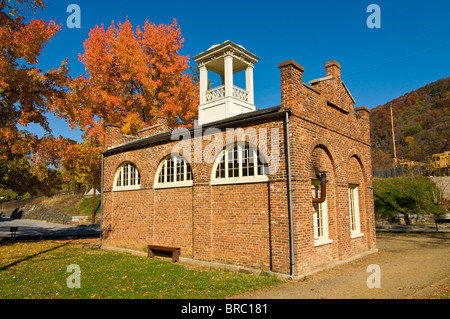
(285, 189)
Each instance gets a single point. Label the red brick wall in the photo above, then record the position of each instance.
(328, 134)
(240, 224)
(220, 223)
(172, 218)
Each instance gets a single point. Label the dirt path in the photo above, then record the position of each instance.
(411, 266)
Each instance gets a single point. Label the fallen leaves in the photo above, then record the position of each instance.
(37, 269)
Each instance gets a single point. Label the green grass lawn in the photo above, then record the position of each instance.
(38, 269)
(83, 206)
(406, 195)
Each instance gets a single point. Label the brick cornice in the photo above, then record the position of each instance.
(293, 63)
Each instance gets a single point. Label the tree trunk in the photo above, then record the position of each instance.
(93, 207)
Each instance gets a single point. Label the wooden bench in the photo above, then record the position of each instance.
(13, 231)
(174, 250)
(441, 221)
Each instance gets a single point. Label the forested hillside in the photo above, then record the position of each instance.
(421, 125)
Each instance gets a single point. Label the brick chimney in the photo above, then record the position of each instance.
(291, 83)
(163, 122)
(112, 135)
(363, 112)
(333, 69)
(161, 125)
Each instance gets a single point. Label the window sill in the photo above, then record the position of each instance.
(173, 185)
(259, 179)
(126, 188)
(322, 241)
(356, 235)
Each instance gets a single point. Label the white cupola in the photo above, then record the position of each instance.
(226, 100)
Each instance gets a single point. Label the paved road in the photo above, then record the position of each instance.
(32, 228)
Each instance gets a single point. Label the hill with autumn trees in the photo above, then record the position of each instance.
(421, 125)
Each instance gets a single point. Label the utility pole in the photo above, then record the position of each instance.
(393, 136)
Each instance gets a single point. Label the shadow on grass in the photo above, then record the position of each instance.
(14, 263)
(390, 206)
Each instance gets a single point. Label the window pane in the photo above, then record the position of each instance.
(119, 178)
(180, 169)
(230, 163)
(132, 175)
(318, 210)
(128, 175)
(125, 175)
(263, 168)
(188, 172)
(175, 169)
(241, 161)
(352, 193)
(233, 164)
(170, 170)
(252, 161)
(161, 174)
(319, 220)
(245, 161)
(236, 161)
(220, 171)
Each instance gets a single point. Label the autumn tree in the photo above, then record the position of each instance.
(132, 76)
(25, 91)
(421, 120)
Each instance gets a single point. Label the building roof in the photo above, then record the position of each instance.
(164, 136)
(218, 49)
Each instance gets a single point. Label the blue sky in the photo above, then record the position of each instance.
(411, 49)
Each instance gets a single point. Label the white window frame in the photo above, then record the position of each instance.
(163, 168)
(354, 211)
(323, 238)
(255, 178)
(121, 172)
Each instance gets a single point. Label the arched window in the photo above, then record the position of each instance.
(320, 216)
(240, 163)
(353, 198)
(127, 177)
(174, 171)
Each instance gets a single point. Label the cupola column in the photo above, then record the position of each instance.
(228, 65)
(203, 83)
(249, 84)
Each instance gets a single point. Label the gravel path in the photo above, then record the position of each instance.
(411, 266)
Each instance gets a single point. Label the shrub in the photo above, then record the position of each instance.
(406, 195)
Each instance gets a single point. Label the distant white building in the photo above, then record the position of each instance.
(91, 192)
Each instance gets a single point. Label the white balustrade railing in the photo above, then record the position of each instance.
(240, 93)
(215, 93)
(219, 92)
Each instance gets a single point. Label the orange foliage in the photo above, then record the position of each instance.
(131, 77)
(24, 94)
(421, 125)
